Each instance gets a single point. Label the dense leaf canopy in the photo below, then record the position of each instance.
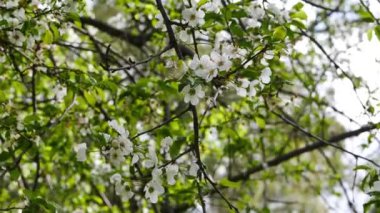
(183, 106)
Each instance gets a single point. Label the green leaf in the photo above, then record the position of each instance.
(366, 206)
(300, 15)
(201, 3)
(298, 23)
(369, 34)
(365, 15)
(89, 97)
(236, 30)
(298, 6)
(279, 33)
(260, 122)
(362, 167)
(4, 156)
(55, 30)
(48, 37)
(377, 31)
(227, 183)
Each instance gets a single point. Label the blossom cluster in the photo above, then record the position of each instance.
(225, 52)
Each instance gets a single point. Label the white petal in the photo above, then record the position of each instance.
(194, 100)
(241, 92)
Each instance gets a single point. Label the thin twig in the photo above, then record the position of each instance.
(162, 124)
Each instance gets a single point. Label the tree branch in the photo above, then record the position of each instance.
(308, 148)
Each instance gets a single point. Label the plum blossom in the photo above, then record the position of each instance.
(171, 171)
(80, 149)
(192, 94)
(193, 16)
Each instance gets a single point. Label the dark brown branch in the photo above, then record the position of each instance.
(321, 6)
(137, 41)
(308, 148)
(172, 39)
(310, 135)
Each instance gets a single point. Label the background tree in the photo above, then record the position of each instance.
(175, 106)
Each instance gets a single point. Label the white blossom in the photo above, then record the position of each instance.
(193, 16)
(268, 55)
(265, 75)
(80, 149)
(171, 171)
(233, 52)
(165, 144)
(118, 128)
(212, 6)
(256, 11)
(251, 22)
(152, 158)
(193, 171)
(204, 67)
(124, 144)
(156, 173)
(115, 178)
(19, 14)
(252, 88)
(221, 61)
(185, 36)
(241, 87)
(193, 95)
(60, 92)
(16, 37)
(118, 21)
(124, 192)
(153, 189)
(135, 158)
(11, 4)
(116, 157)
